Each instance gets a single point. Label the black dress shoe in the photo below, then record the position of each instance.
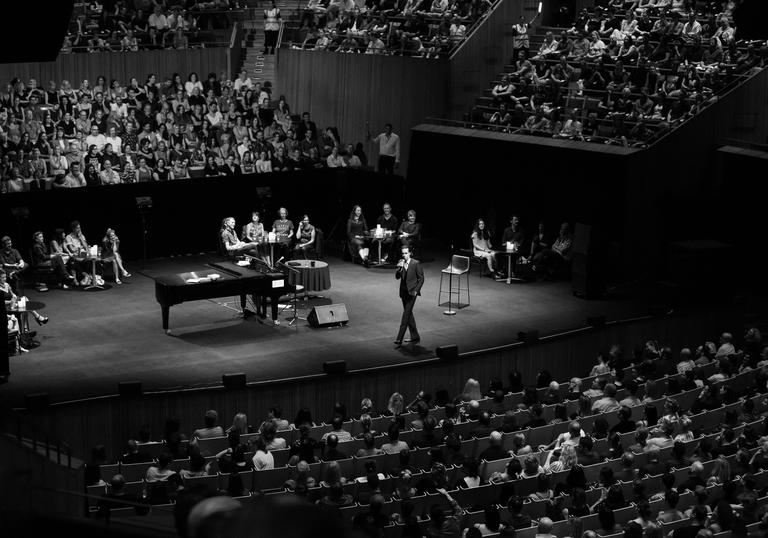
(31, 334)
(42, 320)
(412, 340)
(398, 343)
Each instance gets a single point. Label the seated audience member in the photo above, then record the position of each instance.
(43, 257)
(231, 244)
(76, 246)
(210, 428)
(283, 230)
(482, 248)
(395, 445)
(305, 236)
(409, 232)
(135, 454)
(254, 232)
(117, 497)
(388, 223)
(12, 262)
(111, 252)
(357, 234)
(160, 471)
(554, 260)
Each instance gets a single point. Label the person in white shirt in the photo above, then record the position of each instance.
(158, 25)
(214, 116)
(375, 45)
(389, 149)
(726, 346)
(335, 160)
(74, 178)
(262, 458)
(109, 175)
(692, 28)
(243, 82)
(115, 140)
(96, 139)
(119, 107)
(193, 82)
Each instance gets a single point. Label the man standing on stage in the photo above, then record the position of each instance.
(411, 277)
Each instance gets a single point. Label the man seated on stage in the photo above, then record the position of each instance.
(555, 260)
(232, 244)
(42, 257)
(283, 229)
(388, 222)
(12, 263)
(76, 246)
(515, 235)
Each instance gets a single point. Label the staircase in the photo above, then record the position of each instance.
(261, 67)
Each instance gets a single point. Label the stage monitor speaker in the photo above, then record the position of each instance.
(37, 401)
(335, 367)
(529, 337)
(328, 315)
(233, 381)
(129, 388)
(448, 353)
(596, 321)
(50, 21)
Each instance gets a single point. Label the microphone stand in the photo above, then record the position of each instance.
(286, 270)
(450, 311)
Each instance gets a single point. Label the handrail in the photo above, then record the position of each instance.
(279, 36)
(474, 27)
(233, 35)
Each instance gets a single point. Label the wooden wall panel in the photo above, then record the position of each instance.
(348, 90)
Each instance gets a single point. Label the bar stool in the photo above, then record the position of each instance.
(459, 266)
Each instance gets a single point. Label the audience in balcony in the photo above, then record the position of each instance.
(155, 132)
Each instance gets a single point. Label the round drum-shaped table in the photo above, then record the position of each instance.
(313, 278)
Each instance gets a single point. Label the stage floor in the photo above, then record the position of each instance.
(96, 339)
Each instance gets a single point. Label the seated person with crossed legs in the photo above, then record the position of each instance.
(388, 222)
(514, 234)
(10, 297)
(482, 248)
(357, 230)
(305, 237)
(409, 232)
(231, 243)
(42, 257)
(12, 262)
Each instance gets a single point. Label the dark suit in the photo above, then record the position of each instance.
(411, 282)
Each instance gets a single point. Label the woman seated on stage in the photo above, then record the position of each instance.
(9, 297)
(481, 247)
(111, 252)
(409, 231)
(283, 229)
(357, 229)
(231, 243)
(305, 236)
(253, 232)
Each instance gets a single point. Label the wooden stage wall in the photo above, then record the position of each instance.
(348, 90)
(113, 420)
(121, 66)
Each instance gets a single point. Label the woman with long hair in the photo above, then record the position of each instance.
(482, 248)
(357, 229)
(111, 252)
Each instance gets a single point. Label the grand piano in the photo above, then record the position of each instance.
(218, 279)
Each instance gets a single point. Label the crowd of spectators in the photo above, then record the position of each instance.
(649, 442)
(110, 26)
(420, 28)
(67, 136)
(621, 74)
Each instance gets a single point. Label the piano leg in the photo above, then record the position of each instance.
(242, 301)
(166, 310)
